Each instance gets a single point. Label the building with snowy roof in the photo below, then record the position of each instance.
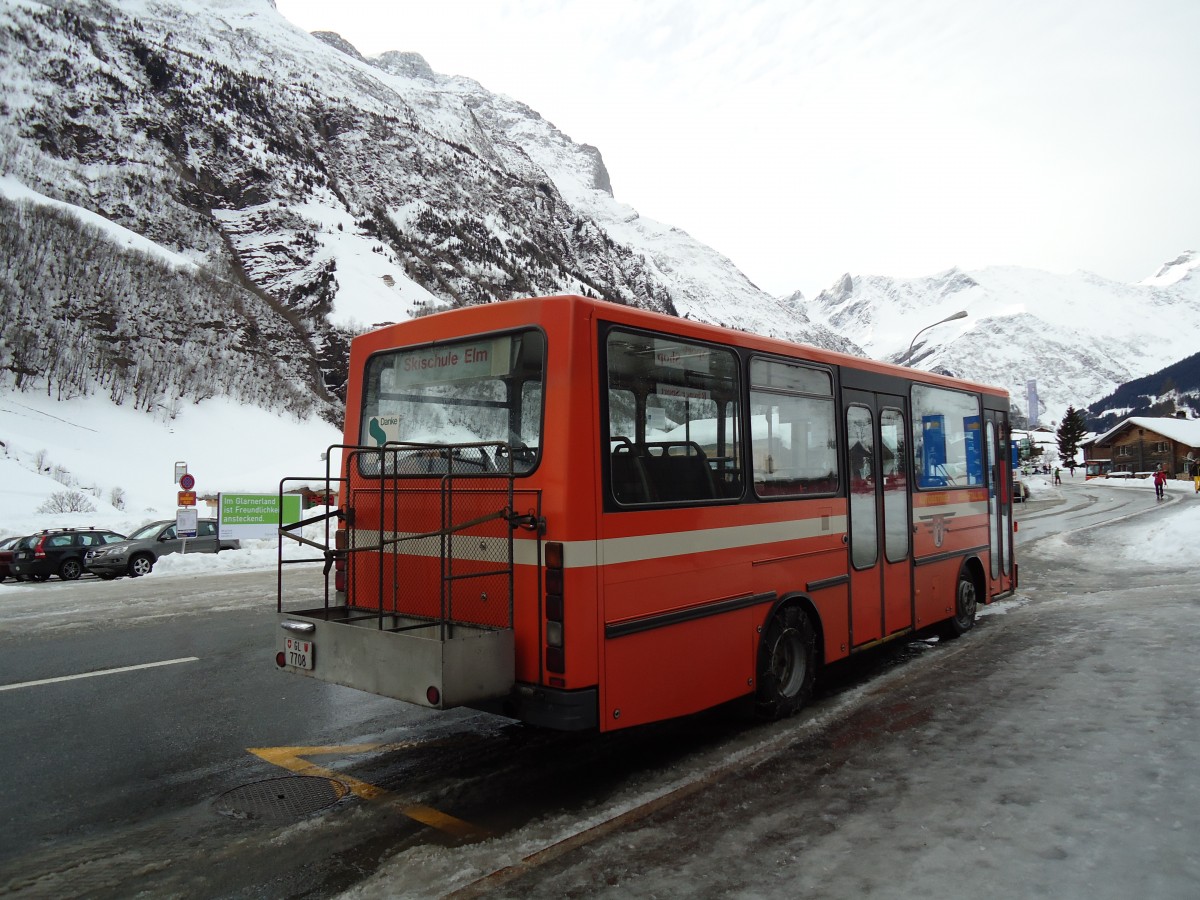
(1143, 444)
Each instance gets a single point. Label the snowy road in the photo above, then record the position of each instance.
(1078, 504)
(1051, 752)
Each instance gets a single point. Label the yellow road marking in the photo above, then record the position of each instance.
(293, 759)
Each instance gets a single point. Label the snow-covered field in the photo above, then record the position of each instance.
(98, 447)
(90, 447)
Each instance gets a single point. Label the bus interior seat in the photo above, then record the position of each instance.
(630, 483)
(679, 471)
(663, 471)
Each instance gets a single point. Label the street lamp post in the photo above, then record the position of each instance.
(961, 314)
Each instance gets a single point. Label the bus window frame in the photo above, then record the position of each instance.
(905, 424)
(611, 503)
(461, 339)
(853, 508)
(917, 476)
(834, 398)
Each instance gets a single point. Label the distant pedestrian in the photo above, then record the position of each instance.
(1057, 475)
(1160, 483)
(1196, 474)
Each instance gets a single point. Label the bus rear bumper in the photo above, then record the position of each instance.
(562, 710)
(403, 658)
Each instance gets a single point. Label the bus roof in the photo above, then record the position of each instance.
(511, 313)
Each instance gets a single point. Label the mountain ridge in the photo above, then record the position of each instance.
(336, 192)
(1078, 336)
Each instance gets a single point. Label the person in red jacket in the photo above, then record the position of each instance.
(1160, 483)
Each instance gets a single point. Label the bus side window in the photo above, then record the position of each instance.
(673, 432)
(947, 445)
(792, 430)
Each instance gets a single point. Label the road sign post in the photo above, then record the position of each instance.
(187, 524)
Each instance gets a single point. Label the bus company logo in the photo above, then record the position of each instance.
(937, 526)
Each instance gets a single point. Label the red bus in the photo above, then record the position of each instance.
(588, 516)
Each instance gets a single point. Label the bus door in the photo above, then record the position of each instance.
(999, 500)
(879, 533)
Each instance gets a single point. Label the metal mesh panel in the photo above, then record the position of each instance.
(434, 545)
(429, 542)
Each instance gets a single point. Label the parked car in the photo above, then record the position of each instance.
(57, 551)
(137, 554)
(6, 554)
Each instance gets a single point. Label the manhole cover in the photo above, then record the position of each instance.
(281, 799)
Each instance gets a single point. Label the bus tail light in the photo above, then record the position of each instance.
(340, 541)
(553, 606)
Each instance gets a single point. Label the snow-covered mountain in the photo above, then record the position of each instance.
(200, 202)
(321, 192)
(1079, 336)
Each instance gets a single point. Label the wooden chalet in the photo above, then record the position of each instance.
(1144, 444)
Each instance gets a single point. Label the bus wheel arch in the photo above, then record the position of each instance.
(969, 594)
(788, 659)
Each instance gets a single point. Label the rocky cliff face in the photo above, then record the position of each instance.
(339, 192)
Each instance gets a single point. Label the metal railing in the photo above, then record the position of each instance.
(429, 535)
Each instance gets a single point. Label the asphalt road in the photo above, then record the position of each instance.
(112, 783)
(206, 776)
(1083, 504)
(1049, 753)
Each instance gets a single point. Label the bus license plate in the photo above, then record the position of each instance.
(298, 652)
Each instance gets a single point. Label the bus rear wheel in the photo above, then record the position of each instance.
(966, 602)
(787, 664)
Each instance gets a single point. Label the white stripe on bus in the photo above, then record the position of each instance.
(643, 547)
(612, 551)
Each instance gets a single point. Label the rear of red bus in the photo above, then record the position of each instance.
(446, 590)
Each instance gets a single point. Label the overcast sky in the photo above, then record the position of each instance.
(809, 138)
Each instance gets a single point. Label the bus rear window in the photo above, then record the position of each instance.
(485, 389)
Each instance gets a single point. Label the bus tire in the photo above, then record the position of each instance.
(966, 603)
(787, 664)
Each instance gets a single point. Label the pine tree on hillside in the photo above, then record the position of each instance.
(1070, 433)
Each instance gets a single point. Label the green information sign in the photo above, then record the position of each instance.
(253, 516)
